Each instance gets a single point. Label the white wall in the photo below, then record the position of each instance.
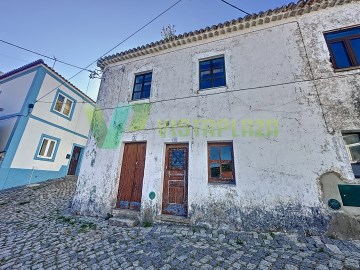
(276, 178)
(13, 92)
(24, 157)
(79, 122)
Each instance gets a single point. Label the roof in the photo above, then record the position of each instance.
(291, 10)
(41, 62)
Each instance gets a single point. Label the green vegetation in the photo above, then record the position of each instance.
(147, 224)
(239, 242)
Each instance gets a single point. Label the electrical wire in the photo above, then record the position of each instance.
(234, 90)
(43, 55)
(235, 7)
(117, 45)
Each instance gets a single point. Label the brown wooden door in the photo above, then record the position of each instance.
(131, 177)
(74, 160)
(175, 180)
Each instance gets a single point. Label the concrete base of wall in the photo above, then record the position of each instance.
(10, 177)
(344, 226)
(284, 218)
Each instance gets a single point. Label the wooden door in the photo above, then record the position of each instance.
(175, 180)
(74, 160)
(131, 177)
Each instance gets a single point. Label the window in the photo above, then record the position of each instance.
(142, 86)
(212, 73)
(47, 148)
(220, 165)
(352, 144)
(344, 47)
(63, 105)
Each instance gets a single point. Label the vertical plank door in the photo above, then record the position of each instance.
(131, 177)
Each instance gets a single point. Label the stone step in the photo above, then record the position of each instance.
(173, 219)
(125, 213)
(123, 222)
(71, 177)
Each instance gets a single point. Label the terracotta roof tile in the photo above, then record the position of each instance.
(292, 9)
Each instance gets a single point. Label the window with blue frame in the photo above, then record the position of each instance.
(47, 148)
(344, 47)
(212, 73)
(142, 86)
(63, 105)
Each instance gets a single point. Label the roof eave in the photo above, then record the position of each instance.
(284, 12)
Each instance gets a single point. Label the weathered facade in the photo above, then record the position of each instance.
(277, 116)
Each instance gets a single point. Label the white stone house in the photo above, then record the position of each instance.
(235, 125)
(44, 125)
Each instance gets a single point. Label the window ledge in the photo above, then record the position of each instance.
(224, 183)
(212, 89)
(346, 69)
(143, 100)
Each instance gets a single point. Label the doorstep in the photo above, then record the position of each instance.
(173, 219)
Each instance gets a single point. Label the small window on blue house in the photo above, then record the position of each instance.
(63, 105)
(212, 73)
(47, 148)
(352, 144)
(142, 86)
(344, 47)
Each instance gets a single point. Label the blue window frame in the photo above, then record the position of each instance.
(212, 73)
(344, 47)
(63, 105)
(142, 86)
(47, 148)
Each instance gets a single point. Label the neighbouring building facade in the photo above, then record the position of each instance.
(249, 124)
(44, 125)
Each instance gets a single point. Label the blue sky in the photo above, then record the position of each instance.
(79, 31)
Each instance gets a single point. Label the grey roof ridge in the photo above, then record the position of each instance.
(286, 11)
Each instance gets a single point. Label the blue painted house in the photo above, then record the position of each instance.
(44, 125)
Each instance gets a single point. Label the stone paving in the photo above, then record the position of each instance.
(36, 232)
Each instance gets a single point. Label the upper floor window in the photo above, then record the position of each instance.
(142, 86)
(47, 148)
(352, 144)
(212, 73)
(344, 47)
(220, 163)
(63, 105)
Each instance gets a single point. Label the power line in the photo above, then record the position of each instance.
(239, 90)
(117, 45)
(43, 55)
(229, 91)
(235, 7)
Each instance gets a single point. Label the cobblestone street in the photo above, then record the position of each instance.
(37, 232)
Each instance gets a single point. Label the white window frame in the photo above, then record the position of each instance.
(63, 105)
(347, 146)
(47, 148)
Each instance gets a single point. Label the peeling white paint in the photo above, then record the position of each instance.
(268, 77)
